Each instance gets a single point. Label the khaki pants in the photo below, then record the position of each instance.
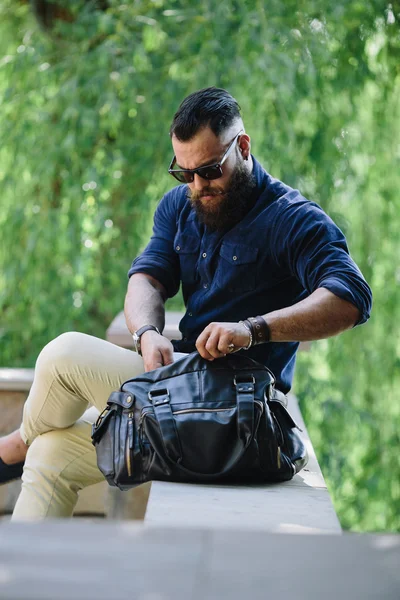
(72, 372)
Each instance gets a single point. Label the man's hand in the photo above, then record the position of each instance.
(216, 339)
(157, 350)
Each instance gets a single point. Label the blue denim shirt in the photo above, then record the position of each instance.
(281, 251)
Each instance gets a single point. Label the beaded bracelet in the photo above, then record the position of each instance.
(249, 329)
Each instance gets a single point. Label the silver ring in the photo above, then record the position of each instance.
(231, 347)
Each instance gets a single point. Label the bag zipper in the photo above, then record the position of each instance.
(148, 410)
(278, 457)
(129, 444)
(186, 411)
(195, 410)
(278, 450)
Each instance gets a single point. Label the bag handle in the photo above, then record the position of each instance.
(169, 433)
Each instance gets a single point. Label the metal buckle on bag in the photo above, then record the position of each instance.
(101, 416)
(238, 382)
(244, 386)
(154, 393)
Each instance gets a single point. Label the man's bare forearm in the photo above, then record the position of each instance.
(321, 315)
(144, 302)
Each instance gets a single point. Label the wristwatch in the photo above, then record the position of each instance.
(138, 334)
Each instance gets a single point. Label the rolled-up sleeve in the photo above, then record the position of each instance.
(159, 258)
(314, 249)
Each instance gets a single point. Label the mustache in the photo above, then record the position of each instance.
(196, 195)
(236, 200)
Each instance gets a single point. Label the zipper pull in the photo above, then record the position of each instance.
(278, 457)
(130, 430)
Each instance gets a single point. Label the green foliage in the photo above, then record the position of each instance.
(84, 118)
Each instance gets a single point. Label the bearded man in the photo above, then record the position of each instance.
(261, 269)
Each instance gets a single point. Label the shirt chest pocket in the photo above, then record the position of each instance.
(187, 247)
(237, 267)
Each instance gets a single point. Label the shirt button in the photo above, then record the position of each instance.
(185, 339)
(190, 314)
(204, 254)
(205, 286)
(177, 248)
(234, 257)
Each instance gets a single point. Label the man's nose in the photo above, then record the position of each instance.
(199, 183)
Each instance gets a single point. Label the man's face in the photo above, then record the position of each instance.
(219, 203)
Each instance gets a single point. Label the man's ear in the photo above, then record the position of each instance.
(245, 146)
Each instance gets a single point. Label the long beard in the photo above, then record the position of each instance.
(231, 207)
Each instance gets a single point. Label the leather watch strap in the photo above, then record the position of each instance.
(138, 334)
(145, 328)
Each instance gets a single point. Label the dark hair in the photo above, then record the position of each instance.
(212, 107)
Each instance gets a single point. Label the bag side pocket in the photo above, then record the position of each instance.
(293, 446)
(104, 432)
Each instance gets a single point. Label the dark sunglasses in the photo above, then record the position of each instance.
(208, 172)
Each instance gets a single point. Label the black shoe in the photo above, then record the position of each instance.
(10, 472)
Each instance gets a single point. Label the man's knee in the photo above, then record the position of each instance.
(60, 352)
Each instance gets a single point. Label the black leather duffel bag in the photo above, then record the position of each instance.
(198, 421)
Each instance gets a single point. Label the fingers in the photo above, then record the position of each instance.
(201, 346)
(167, 356)
(153, 362)
(205, 345)
(155, 356)
(215, 342)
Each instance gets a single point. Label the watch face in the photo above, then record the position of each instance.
(136, 342)
(138, 334)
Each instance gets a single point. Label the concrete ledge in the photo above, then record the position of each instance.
(19, 380)
(302, 505)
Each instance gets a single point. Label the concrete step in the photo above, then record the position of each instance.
(103, 560)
